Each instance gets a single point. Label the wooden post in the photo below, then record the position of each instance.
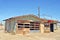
(42, 28)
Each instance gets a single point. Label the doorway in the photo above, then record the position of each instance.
(52, 27)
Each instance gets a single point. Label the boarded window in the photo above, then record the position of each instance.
(20, 25)
(34, 25)
(26, 25)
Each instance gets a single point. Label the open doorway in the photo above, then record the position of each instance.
(51, 27)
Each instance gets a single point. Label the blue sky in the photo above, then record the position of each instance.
(10, 8)
(50, 8)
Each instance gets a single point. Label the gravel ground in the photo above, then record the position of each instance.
(32, 36)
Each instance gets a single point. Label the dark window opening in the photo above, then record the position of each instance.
(31, 29)
(20, 25)
(46, 25)
(26, 25)
(34, 25)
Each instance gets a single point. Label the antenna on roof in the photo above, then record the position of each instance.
(39, 11)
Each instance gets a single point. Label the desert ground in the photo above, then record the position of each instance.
(31, 36)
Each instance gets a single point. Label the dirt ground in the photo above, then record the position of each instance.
(32, 36)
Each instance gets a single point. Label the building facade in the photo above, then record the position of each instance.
(28, 23)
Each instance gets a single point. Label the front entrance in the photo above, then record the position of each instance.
(51, 27)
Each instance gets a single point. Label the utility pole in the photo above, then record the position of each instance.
(39, 12)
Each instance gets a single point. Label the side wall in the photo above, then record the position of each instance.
(10, 25)
(58, 25)
(7, 26)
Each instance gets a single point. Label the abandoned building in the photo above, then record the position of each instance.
(29, 23)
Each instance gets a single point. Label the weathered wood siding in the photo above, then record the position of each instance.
(11, 26)
(55, 26)
(58, 25)
(7, 26)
